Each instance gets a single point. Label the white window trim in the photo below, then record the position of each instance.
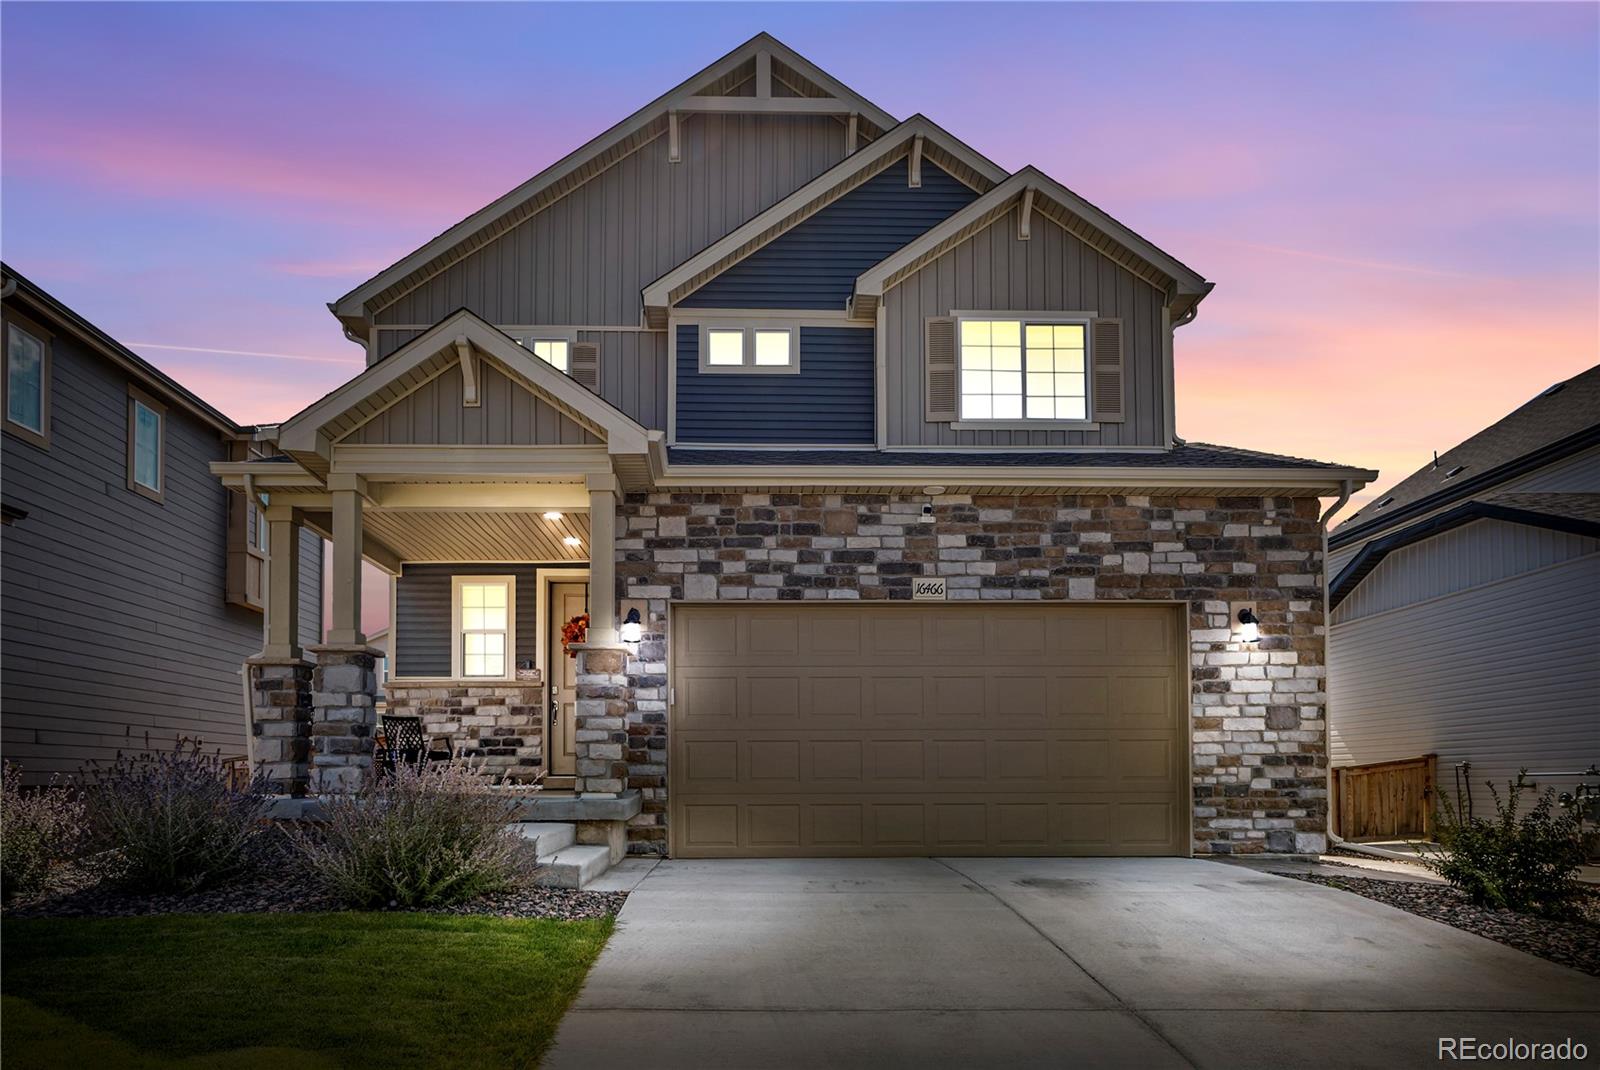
(964, 423)
(749, 367)
(456, 659)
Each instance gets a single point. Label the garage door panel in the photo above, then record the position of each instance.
(991, 730)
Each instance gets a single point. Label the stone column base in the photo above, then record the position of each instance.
(344, 686)
(280, 722)
(601, 736)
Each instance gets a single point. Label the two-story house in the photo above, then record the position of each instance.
(858, 453)
(132, 583)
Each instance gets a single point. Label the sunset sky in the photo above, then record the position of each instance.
(1400, 205)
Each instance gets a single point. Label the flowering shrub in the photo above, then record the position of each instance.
(38, 829)
(1525, 863)
(417, 837)
(175, 818)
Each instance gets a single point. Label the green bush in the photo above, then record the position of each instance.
(174, 818)
(415, 838)
(38, 830)
(1517, 861)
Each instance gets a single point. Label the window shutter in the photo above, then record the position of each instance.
(939, 368)
(1105, 354)
(585, 365)
(244, 570)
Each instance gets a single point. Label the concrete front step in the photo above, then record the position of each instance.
(575, 866)
(548, 836)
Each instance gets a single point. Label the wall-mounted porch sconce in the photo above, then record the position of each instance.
(632, 630)
(1249, 626)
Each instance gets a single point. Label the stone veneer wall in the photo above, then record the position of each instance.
(500, 726)
(1259, 740)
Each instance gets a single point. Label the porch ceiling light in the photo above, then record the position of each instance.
(935, 489)
(632, 629)
(572, 540)
(1249, 627)
(552, 515)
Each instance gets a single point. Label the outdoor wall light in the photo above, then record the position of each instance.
(1249, 627)
(632, 629)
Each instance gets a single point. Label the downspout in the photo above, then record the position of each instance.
(1346, 487)
(1182, 321)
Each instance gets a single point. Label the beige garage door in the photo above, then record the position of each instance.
(926, 729)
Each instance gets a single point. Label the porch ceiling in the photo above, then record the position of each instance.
(479, 535)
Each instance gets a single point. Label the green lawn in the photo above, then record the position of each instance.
(241, 991)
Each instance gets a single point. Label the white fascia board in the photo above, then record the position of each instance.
(1322, 480)
(353, 304)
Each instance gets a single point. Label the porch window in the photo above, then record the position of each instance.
(483, 626)
(1023, 370)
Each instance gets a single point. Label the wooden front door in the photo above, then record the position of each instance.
(567, 600)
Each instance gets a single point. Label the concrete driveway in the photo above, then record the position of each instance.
(1067, 962)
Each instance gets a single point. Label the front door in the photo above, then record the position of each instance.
(567, 600)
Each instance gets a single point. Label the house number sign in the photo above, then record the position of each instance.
(923, 590)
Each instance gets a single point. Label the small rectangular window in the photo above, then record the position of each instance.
(553, 352)
(484, 627)
(744, 350)
(147, 419)
(27, 382)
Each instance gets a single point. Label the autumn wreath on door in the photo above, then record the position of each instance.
(574, 631)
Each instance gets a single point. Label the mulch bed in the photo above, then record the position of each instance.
(1574, 942)
(84, 892)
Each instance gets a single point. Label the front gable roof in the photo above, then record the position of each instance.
(707, 89)
(1183, 286)
(917, 134)
(309, 435)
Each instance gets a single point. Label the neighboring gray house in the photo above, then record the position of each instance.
(876, 438)
(1465, 603)
(132, 582)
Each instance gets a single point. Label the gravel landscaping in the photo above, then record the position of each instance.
(1574, 942)
(83, 892)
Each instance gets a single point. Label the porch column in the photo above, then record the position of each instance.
(344, 628)
(283, 583)
(602, 560)
(280, 678)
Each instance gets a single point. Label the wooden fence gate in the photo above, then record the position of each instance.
(1385, 800)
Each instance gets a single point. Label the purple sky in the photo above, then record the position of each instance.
(1400, 205)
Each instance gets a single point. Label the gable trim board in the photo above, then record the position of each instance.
(850, 173)
(1182, 286)
(1372, 554)
(309, 435)
(1555, 451)
(355, 308)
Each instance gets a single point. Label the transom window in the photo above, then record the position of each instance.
(1023, 370)
(483, 626)
(748, 349)
(27, 383)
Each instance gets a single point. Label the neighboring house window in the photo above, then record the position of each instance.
(741, 349)
(147, 432)
(482, 626)
(27, 382)
(1023, 370)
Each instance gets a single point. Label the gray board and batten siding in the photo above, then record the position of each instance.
(507, 414)
(828, 401)
(1052, 271)
(116, 623)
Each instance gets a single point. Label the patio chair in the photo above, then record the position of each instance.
(402, 740)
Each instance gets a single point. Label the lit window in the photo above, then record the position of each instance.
(483, 626)
(553, 352)
(725, 349)
(1012, 370)
(772, 349)
(146, 431)
(25, 379)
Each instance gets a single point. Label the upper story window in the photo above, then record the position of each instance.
(484, 627)
(1023, 369)
(555, 352)
(147, 424)
(744, 349)
(27, 382)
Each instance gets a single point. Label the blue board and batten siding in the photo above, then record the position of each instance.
(815, 264)
(827, 402)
